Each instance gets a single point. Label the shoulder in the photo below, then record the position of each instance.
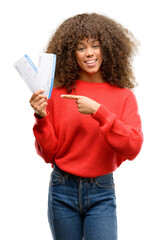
(129, 96)
(120, 92)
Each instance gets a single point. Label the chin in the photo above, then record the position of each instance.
(92, 72)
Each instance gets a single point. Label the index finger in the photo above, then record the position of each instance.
(70, 96)
(35, 94)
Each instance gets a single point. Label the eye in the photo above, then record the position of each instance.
(95, 46)
(80, 49)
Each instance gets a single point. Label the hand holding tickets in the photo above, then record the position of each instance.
(85, 105)
(37, 79)
(38, 102)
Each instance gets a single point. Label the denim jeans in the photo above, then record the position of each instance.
(82, 208)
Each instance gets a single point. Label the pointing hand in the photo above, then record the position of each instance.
(85, 105)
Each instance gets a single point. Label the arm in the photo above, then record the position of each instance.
(45, 139)
(125, 135)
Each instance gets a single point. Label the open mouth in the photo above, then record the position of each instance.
(90, 62)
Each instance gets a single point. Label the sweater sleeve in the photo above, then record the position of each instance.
(45, 138)
(123, 135)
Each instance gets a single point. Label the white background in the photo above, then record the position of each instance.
(26, 27)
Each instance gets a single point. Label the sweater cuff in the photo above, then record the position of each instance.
(103, 115)
(41, 121)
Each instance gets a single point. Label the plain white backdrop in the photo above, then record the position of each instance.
(26, 27)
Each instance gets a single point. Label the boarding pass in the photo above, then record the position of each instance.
(41, 78)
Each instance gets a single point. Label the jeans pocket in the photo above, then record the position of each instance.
(105, 181)
(56, 179)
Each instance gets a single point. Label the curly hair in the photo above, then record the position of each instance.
(118, 47)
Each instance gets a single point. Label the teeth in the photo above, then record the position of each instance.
(91, 61)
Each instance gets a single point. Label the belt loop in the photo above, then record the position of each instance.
(91, 180)
(66, 176)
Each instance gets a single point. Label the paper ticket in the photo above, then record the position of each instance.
(27, 71)
(46, 72)
(41, 78)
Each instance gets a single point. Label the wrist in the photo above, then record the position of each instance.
(38, 116)
(95, 109)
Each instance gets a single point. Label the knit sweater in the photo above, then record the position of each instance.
(89, 145)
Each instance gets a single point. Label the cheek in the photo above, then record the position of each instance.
(78, 55)
(98, 52)
(79, 59)
(100, 55)
(100, 58)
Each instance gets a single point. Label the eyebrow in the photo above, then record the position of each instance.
(88, 41)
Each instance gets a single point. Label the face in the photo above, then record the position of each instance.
(88, 56)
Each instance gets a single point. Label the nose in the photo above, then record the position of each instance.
(89, 52)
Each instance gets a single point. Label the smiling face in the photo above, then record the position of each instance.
(88, 56)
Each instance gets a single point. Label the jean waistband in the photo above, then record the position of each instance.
(106, 178)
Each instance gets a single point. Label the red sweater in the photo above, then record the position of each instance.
(90, 145)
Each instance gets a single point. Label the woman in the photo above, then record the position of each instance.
(89, 126)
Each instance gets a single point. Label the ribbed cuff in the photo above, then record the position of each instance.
(41, 121)
(103, 115)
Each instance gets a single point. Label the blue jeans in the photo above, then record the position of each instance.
(82, 208)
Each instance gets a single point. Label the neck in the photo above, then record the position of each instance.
(95, 77)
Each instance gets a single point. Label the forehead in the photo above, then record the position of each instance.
(87, 40)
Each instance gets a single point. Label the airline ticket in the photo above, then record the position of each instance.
(41, 78)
